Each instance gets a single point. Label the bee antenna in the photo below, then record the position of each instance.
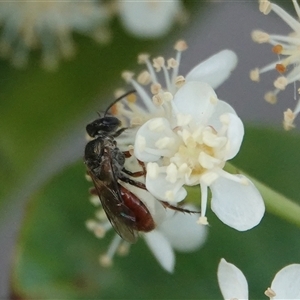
(117, 100)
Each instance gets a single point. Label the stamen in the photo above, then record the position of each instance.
(158, 63)
(88, 177)
(297, 8)
(270, 293)
(155, 88)
(91, 224)
(167, 96)
(281, 83)
(265, 7)
(127, 76)
(288, 119)
(140, 90)
(123, 248)
(277, 49)
(172, 63)
(143, 58)
(158, 100)
(179, 81)
(280, 68)
(106, 259)
(180, 46)
(144, 78)
(204, 195)
(270, 97)
(100, 215)
(99, 231)
(260, 37)
(254, 75)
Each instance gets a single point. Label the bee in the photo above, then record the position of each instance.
(105, 165)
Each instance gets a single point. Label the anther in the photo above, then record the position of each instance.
(270, 293)
(277, 49)
(254, 75)
(265, 7)
(180, 45)
(143, 57)
(127, 76)
(281, 83)
(158, 63)
(270, 97)
(260, 37)
(280, 68)
(179, 81)
(172, 63)
(144, 78)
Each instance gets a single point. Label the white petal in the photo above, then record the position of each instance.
(183, 232)
(222, 107)
(286, 283)
(215, 70)
(145, 147)
(161, 249)
(148, 19)
(196, 99)
(232, 282)
(238, 205)
(164, 190)
(235, 134)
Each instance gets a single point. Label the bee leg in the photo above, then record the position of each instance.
(141, 163)
(133, 174)
(178, 208)
(132, 182)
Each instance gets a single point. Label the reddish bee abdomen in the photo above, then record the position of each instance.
(143, 219)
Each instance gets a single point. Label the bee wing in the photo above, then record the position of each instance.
(119, 215)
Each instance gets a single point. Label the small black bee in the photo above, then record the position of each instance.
(105, 163)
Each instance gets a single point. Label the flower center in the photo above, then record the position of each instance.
(197, 153)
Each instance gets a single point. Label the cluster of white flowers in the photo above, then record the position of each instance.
(233, 284)
(184, 135)
(286, 46)
(49, 25)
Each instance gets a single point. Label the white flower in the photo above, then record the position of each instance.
(185, 135)
(150, 19)
(48, 25)
(233, 283)
(286, 46)
(192, 149)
